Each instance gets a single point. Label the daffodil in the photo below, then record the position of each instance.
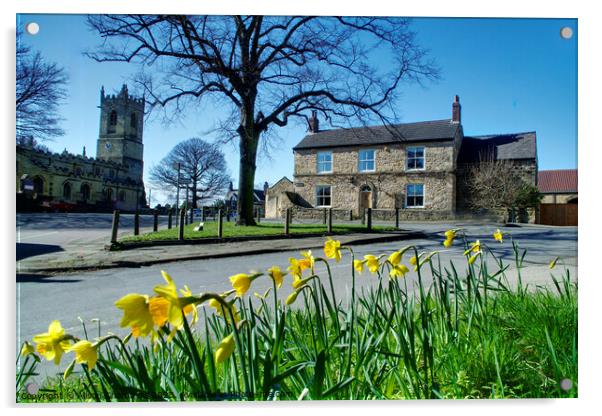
(27, 349)
(220, 310)
(472, 258)
(292, 297)
(450, 234)
(295, 267)
(308, 261)
(474, 247)
(53, 343)
(85, 352)
(176, 305)
(448, 243)
(276, 274)
(398, 270)
(395, 258)
(332, 249)
(225, 349)
(359, 265)
(136, 314)
(241, 283)
(371, 262)
(413, 260)
(498, 236)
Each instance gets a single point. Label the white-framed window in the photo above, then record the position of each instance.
(323, 195)
(324, 162)
(367, 160)
(415, 195)
(415, 159)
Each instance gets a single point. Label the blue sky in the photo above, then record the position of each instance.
(512, 75)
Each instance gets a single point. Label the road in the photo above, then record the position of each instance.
(92, 294)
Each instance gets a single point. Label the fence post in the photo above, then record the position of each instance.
(397, 218)
(202, 213)
(115, 226)
(350, 215)
(169, 218)
(181, 229)
(191, 216)
(155, 220)
(220, 224)
(324, 216)
(363, 216)
(136, 223)
(258, 215)
(369, 219)
(329, 229)
(287, 221)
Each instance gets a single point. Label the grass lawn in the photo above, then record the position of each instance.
(231, 230)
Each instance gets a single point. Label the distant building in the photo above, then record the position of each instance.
(231, 199)
(111, 180)
(560, 197)
(419, 168)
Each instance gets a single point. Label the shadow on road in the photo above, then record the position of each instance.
(25, 250)
(42, 278)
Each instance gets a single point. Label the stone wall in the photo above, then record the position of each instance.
(388, 183)
(276, 198)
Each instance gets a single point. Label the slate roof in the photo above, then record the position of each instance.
(437, 130)
(259, 194)
(557, 181)
(502, 146)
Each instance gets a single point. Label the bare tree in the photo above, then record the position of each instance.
(40, 88)
(267, 70)
(203, 170)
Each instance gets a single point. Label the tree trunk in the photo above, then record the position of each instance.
(246, 178)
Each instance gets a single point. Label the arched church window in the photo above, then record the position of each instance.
(85, 191)
(67, 190)
(112, 121)
(134, 122)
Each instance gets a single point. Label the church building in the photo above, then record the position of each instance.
(112, 180)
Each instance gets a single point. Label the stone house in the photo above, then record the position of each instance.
(111, 180)
(231, 199)
(419, 168)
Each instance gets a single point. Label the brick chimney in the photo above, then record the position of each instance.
(456, 110)
(314, 123)
(265, 188)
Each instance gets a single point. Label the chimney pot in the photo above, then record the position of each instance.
(456, 110)
(314, 123)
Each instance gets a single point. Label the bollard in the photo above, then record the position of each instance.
(136, 223)
(329, 229)
(169, 219)
(397, 218)
(369, 219)
(115, 226)
(220, 224)
(181, 229)
(155, 221)
(287, 221)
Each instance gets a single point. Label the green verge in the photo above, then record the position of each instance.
(230, 229)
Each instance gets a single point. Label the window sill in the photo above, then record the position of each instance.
(416, 207)
(416, 170)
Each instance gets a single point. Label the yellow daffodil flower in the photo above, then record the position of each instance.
(295, 268)
(359, 265)
(448, 242)
(472, 258)
(553, 262)
(395, 258)
(332, 249)
(474, 247)
(169, 292)
(85, 352)
(371, 262)
(276, 274)
(27, 349)
(450, 234)
(413, 260)
(136, 314)
(498, 236)
(307, 262)
(220, 310)
(225, 349)
(53, 343)
(398, 270)
(241, 283)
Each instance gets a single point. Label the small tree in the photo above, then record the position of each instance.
(40, 88)
(203, 170)
(496, 185)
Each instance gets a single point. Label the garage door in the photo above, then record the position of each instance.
(558, 214)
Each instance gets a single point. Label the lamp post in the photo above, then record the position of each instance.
(177, 166)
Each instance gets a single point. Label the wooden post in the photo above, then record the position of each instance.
(287, 221)
(220, 224)
(202, 213)
(181, 229)
(136, 223)
(324, 216)
(329, 229)
(115, 226)
(169, 218)
(350, 215)
(258, 215)
(363, 216)
(191, 216)
(156, 221)
(369, 219)
(397, 218)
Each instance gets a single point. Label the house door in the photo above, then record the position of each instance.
(365, 198)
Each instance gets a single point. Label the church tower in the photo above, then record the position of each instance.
(120, 135)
